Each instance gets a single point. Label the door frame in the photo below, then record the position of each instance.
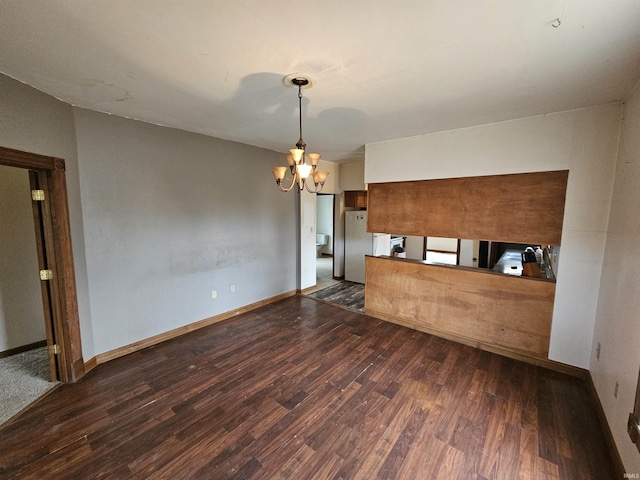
(55, 249)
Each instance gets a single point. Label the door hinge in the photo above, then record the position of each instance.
(37, 195)
(46, 274)
(54, 349)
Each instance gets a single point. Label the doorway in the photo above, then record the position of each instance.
(325, 240)
(55, 260)
(331, 287)
(21, 317)
(27, 371)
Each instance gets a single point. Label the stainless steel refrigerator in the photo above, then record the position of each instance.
(358, 243)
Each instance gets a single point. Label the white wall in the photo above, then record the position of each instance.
(334, 181)
(469, 252)
(324, 220)
(162, 206)
(35, 122)
(338, 243)
(332, 185)
(307, 239)
(617, 326)
(308, 227)
(21, 315)
(442, 243)
(170, 216)
(352, 176)
(583, 141)
(414, 246)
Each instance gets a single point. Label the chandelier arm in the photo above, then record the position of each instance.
(287, 189)
(317, 188)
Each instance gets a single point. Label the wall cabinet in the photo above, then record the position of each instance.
(516, 208)
(355, 198)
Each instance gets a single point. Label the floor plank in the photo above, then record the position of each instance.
(304, 389)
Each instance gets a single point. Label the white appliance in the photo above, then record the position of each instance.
(358, 243)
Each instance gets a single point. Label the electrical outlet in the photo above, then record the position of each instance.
(233, 288)
(615, 391)
(598, 351)
(214, 294)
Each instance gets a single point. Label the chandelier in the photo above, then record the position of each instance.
(302, 165)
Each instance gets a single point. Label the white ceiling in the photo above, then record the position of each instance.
(383, 69)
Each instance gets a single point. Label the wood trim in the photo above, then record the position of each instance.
(90, 364)
(57, 234)
(491, 309)
(608, 436)
(519, 208)
(23, 348)
(57, 261)
(176, 332)
(71, 341)
(17, 158)
(308, 290)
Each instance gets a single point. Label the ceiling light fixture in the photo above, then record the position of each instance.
(302, 165)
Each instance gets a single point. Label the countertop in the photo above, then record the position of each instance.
(510, 263)
(484, 271)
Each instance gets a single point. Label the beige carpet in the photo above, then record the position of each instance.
(24, 378)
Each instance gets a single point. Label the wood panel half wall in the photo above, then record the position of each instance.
(497, 312)
(519, 208)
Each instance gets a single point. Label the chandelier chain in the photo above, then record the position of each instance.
(300, 143)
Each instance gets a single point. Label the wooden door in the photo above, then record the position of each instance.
(42, 216)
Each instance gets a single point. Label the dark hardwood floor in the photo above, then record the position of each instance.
(301, 389)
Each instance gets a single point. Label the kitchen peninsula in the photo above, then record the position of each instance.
(502, 313)
(506, 314)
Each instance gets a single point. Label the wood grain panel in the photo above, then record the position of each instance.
(510, 313)
(521, 208)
